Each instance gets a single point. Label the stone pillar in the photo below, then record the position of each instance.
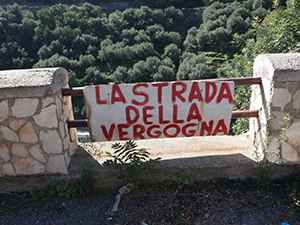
(34, 137)
(278, 96)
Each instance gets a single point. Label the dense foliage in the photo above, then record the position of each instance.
(132, 3)
(278, 32)
(220, 22)
(144, 44)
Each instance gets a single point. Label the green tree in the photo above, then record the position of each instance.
(194, 67)
(173, 52)
(165, 73)
(139, 73)
(116, 23)
(94, 76)
(158, 16)
(138, 18)
(220, 22)
(14, 13)
(44, 52)
(236, 24)
(174, 14)
(86, 60)
(120, 75)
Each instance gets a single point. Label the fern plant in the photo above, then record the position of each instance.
(130, 161)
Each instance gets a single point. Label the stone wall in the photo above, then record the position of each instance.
(278, 96)
(34, 137)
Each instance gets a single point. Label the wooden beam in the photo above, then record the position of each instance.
(77, 123)
(244, 114)
(240, 81)
(77, 91)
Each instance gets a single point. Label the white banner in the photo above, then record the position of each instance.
(158, 110)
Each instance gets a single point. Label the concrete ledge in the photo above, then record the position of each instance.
(280, 67)
(203, 158)
(31, 82)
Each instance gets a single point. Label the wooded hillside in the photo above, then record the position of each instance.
(142, 44)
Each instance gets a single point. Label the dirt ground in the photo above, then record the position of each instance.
(212, 202)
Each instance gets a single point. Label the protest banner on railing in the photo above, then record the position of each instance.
(158, 110)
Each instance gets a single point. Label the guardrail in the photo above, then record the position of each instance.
(241, 81)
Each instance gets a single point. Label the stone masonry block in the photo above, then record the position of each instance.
(292, 133)
(24, 107)
(66, 142)
(296, 100)
(27, 134)
(57, 164)
(52, 144)
(47, 101)
(35, 151)
(47, 117)
(278, 118)
(9, 135)
(4, 153)
(8, 170)
(3, 110)
(59, 107)
(289, 154)
(28, 166)
(16, 124)
(19, 150)
(62, 130)
(281, 97)
(273, 151)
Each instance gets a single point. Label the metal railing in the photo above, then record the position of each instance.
(241, 81)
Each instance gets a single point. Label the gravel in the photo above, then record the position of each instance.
(92, 210)
(247, 205)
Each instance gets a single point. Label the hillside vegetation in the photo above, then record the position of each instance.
(144, 44)
(132, 3)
